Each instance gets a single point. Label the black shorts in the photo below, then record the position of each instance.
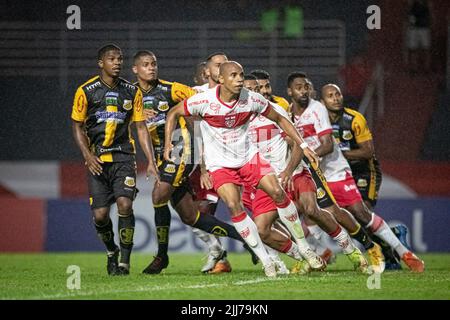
(118, 179)
(325, 198)
(369, 184)
(174, 174)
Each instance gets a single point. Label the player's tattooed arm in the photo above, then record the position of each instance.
(91, 161)
(286, 125)
(326, 145)
(171, 121)
(147, 148)
(364, 152)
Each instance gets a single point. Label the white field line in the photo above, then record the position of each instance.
(76, 293)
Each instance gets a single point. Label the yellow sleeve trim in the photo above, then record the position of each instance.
(181, 92)
(138, 107)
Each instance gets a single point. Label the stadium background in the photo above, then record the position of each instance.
(43, 191)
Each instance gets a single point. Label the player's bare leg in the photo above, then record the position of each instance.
(380, 228)
(287, 212)
(231, 196)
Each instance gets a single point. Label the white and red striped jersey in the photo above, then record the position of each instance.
(225, 126)
(201, 88)
(270, 141)
(312, 124)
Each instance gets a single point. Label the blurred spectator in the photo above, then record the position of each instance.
(356, 76)
(418, 38)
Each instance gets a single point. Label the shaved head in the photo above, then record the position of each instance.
(228, 66)
(329, 87)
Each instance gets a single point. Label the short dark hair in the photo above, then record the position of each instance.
(142, 53)
(261, 74)
(108, 47)
(295, 75)
(249, 77)
(212, 55)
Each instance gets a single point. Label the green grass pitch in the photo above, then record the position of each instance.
(43, 276)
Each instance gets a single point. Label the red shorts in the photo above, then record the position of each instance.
(249, 174)
(257, 201)
(345, 191)
(199, 193)
(303, 182)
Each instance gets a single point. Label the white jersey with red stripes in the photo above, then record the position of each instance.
(312, 124)
(270, 141)
(224, 126)
(201, 88)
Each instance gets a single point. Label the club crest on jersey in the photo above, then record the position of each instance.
(130, 182)
(320, 193)
(347, 135)
(127, 105)
(362, 183)
(170, 168)
(230, 121)
(163, 106)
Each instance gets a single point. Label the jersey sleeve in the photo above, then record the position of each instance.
(322, 123)
(181, 92)
(282, 102)
(361, 129)
(138, 108)
(80, 104)
(195, 105)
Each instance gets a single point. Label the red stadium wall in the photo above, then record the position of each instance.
(22, 225)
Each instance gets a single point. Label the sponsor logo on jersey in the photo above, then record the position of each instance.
(347, 135)
(127, 104)
(215, 107)
(157, 120)
(130, 182)
(195, 103)
(362, 183)
(92, 86)
(163, 106)
(320, 193)
(117, 117)
(170, 168)
(127, 85)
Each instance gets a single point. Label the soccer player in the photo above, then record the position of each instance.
(265, 88)
(251, 83)
(353, 136)
(311, 118)
(300, 90)
(295, 178)
(233, 161)
(173, 185)
(200, 77)
(103, 110)
(213, 62)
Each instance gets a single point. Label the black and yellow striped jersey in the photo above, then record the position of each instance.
(349, 130)
(161, 98)
(107, 113)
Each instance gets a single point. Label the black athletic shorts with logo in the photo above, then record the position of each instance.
(118, 179)
(177, 175)
(369, 184)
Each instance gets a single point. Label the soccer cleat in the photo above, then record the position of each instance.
(270, 270)
(280, 266)
(112, 265)
(358, 260)
(255, 258)
(376, 258)
(212, 259)
(157, 265)
(301, 267)
(328, 256)
(221, 266)
(313, 259)
(124, 270)
(401, 232)
(413, 262)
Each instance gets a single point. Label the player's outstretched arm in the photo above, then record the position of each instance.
(364, 152)
(147, 148)
(171, 120)
(91, 161)
(290, 130)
